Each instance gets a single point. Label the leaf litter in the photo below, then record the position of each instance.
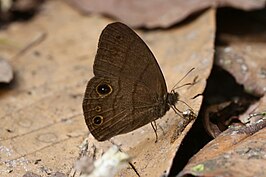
(168, 46)
(238, 149)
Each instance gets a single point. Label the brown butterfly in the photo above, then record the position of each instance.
(128, 90)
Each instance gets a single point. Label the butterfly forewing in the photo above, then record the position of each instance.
(133, 86)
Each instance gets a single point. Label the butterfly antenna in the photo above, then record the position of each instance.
(185, 104)
(175, 86)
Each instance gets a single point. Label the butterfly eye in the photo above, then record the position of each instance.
(104, 89)
(98, 120)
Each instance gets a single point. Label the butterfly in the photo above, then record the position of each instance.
(128, 89)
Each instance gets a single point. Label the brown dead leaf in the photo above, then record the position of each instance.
(238, 151)
(42, 124)
(6, 72)
(241, 52)
(241, 48)
(152, 14)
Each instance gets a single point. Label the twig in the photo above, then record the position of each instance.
(37, 40)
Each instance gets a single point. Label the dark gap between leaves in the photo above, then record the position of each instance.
(251, 23)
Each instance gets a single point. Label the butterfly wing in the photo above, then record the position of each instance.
(128, 88)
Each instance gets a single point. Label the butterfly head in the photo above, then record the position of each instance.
(172, 98)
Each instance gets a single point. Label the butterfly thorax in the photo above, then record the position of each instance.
(165, 104)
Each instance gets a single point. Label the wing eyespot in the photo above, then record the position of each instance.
(104, 89)
(97, 120)
(98, 108)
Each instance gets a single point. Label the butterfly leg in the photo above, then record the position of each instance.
(177, 111)
(154, 127)
(130, 164)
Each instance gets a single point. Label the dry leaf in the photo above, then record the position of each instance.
(241, 149)
(241, 48)
(152, 14)
(238, 151)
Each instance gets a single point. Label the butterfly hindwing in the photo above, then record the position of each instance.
(128, 88)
